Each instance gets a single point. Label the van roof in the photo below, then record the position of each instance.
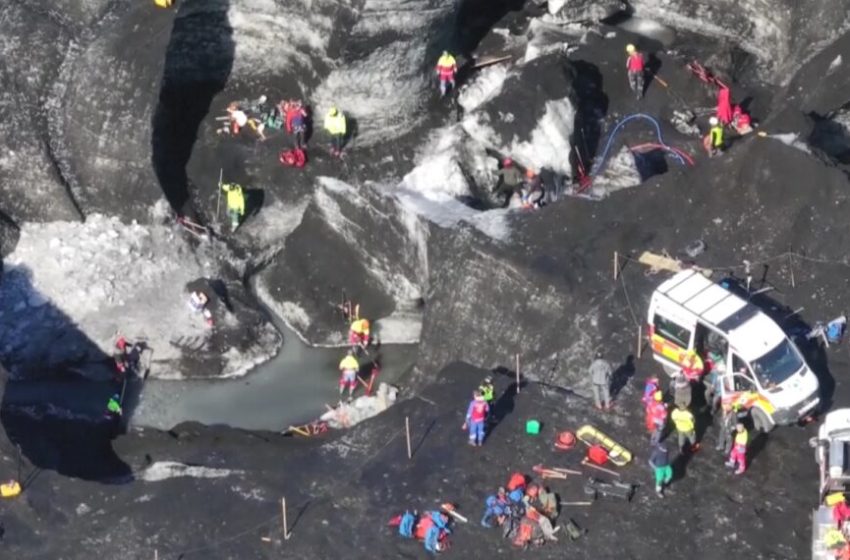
(750, 331)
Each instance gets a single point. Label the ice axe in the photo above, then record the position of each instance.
(450, 509)
(660, 81)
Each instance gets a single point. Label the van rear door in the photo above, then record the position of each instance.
(671, 338)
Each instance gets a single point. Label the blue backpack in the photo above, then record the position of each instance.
(405, 528)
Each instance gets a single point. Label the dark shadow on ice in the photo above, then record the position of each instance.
(55, 414)
(653, 67)
(650, 163)
(591, 105)
(475, 19)
(198, 62)
(254, 199)
(621, 376)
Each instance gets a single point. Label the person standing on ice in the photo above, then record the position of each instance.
(635, 68)
(349, 367)
(713, 142)
(446, 71)
(235, 204)
(335, 125)
(600, 377)
(476, 417)
(510, 180)
(738, 456)
(296, 122)
(659, 460)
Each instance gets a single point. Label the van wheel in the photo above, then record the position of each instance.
(760, 421)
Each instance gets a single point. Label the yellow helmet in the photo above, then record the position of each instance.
(630, 48)
(333, 111)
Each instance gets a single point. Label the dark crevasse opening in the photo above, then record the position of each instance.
(198, 62)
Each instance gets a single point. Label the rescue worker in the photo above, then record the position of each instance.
(726, 426)
(446, 70)
(236, 120)
(235, 203)
(738, 456)
(113, 406)
(635, 68)
(656, 417)
(683, 420)
(359, 334)
(296, 122)
(335, 125)
(711, 384)
(600, 377)
(496, 508)
(840, 511)
(488, 393)
(544, 501)
(659, 460)
(713, 142)
(476, 416)
(682, 390)
(649, 390)
(349, 367)
(510, 180)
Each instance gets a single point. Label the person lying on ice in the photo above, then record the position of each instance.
(476, 417)
(432, 529)
(535, 510)
(497, 508)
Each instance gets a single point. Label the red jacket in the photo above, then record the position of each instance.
(657, 413)
(295, 117)
(635, 62)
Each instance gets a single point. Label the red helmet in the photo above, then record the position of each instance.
(507, 162)
(532, 491)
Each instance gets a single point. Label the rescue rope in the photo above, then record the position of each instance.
(600, 164)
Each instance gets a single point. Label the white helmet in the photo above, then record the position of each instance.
(713, 121)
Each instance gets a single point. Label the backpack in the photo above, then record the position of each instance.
(405, 528)
(293, 158)
(517, 481)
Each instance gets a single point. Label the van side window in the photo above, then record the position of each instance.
(675, 333)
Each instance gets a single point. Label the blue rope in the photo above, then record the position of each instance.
(600, 163)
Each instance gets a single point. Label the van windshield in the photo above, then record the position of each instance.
(778, 365)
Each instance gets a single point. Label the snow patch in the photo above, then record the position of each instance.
(486, 85)
(792, 139)
(163, 470)
(833, 66)
(549, 144)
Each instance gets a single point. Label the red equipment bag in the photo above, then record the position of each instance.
(597, 455)
(517, 480)
(295, 157)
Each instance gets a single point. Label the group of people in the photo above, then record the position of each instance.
(525, 511)
(360, 339)
(727, 114)
(511, 183)
(431, 528)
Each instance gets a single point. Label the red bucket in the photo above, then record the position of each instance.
(597, 455)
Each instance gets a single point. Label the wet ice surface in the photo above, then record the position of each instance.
(292, 387)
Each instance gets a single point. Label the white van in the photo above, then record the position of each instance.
(760, 367)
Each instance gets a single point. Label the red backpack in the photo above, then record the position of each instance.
(517, 480)
(295, 157)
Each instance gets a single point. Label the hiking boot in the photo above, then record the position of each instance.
(659, 491)
(730, 464)
(472, 443)
(739, 471)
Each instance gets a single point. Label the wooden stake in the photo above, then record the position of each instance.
(155, 554)
(407, 433)
(517, 374)
(286, 534)
(639, 341)
(592, 466)
(616, 265)
(791, 268)
(576, 503)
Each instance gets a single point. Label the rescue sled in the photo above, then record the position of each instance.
(617, 454)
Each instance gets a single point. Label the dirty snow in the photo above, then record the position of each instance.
(485, 86)
(549, 145)
(833, 66)
(791, 139)
(163, 470)
(69, 286)
(361, 408)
